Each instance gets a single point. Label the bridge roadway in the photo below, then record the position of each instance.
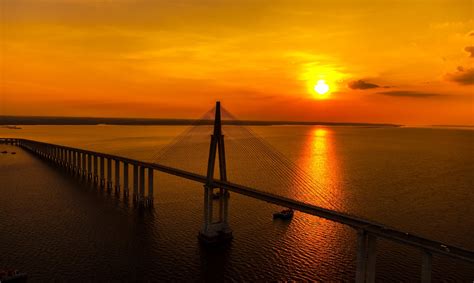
(371, 227)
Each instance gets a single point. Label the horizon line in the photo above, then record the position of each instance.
(74, 120)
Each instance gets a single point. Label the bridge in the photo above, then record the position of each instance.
(112, 172)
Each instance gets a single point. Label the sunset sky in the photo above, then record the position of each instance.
(408, 62)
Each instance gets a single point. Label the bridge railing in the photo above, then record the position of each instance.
(85, 163)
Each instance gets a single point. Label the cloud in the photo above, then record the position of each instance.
(408, 93)
(360, 84)
(470, 49)
(462, 76)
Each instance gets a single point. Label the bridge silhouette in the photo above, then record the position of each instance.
(112, 172)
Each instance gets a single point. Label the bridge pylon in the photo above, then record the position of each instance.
(216, 228)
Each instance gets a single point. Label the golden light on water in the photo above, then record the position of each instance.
(321, 163)
(320, 160)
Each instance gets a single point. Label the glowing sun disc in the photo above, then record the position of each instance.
(321, 87)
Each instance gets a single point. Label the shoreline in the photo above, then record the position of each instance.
(33, 120)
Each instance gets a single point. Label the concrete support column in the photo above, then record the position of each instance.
(60, 156)
(149, 200)
(117, 176)
(225, 199)
(125, 179)
(207, 208)
(221, 205)
(74, 162)
(102, 172)
(142, 185)
(96, 177)
(78, 160)
(361, 256)
(89, 167)
(84, 165)
(79, 164)
(135, 182)
(109, 174)
(70, 160)
(426, 267)
(371, 258)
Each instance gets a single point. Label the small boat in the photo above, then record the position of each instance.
(286, 214)
(13, 152)
(12, 275)
(4, 151)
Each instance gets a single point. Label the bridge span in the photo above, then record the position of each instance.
(97, 168)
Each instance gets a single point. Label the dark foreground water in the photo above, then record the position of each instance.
(417, 180)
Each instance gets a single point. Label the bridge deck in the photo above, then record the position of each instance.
(374, 228)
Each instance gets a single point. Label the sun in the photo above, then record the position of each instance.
(321, 87)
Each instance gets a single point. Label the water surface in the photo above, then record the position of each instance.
(415, 179)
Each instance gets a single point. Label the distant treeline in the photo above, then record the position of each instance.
(34, 120)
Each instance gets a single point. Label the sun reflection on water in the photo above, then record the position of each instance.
(311, 234)
(319, 161)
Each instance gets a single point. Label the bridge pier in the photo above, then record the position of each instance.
(109, 174)
(426, 267)
(149, 199)
(366, 257)
(63, 157)
(102, 172)
(96, 176)
(141, 194)
(79, 161)
(74, 163)
(117, 176)
(135, 183)
(89, 168)
(68, 160)
(125, 180)
(59, 156)
(84, 166)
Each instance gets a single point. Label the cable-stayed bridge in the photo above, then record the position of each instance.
(191, 156)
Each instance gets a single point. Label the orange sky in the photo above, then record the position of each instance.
(407, 62)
